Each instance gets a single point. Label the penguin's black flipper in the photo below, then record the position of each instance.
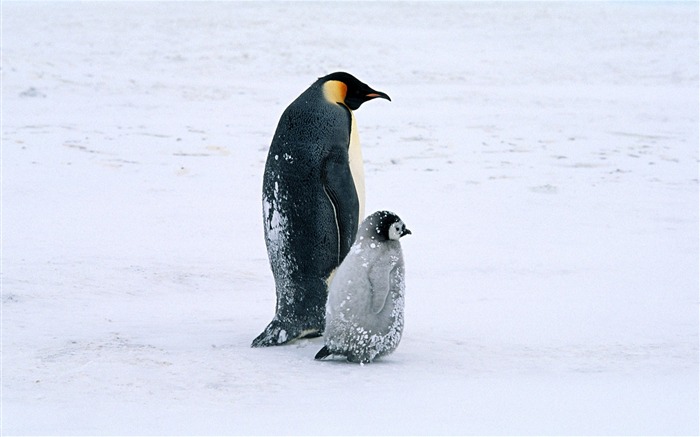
(340, 189)
(323, 353)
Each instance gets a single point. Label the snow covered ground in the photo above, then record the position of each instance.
(545, 156)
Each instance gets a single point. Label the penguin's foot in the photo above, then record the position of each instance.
(274, 335)
(278, 333)
(323, 353)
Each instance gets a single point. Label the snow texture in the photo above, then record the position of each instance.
(545, 156)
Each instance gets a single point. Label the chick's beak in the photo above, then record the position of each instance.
(406, 232)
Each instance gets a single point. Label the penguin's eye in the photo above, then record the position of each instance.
(395, 231)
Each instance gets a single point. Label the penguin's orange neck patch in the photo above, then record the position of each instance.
(335, 91)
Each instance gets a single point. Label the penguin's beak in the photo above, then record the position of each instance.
(355, 99)
(377, 94)
(406, 231)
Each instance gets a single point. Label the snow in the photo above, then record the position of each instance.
(545, 156)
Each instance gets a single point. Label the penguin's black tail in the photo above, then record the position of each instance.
(323, 353)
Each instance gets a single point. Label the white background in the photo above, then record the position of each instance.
(545, 156)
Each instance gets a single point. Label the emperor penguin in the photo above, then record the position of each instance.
(364, 312)
(313, 197)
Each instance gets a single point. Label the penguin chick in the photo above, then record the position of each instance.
(364, 312)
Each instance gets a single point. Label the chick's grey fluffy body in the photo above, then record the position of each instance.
(364, 312)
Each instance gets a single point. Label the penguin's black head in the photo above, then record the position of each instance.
(384, 225)
(347, 89)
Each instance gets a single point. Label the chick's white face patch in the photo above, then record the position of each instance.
(396, 230)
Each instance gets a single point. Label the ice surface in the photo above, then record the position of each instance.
(545, 156)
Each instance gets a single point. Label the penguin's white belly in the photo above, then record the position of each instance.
(357, 167)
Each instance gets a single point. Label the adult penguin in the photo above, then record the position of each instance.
(313, 199)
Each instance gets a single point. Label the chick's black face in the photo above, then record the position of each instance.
(358, 92)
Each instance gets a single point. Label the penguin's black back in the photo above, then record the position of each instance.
(311, 140)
